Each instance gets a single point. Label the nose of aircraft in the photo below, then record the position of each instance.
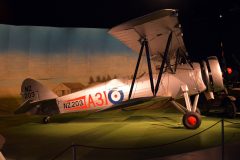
(212, 74)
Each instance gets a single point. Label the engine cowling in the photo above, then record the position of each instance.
(212, 74)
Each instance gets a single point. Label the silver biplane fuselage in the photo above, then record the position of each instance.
(116, 91)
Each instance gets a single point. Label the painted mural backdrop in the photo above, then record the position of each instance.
(54, 55)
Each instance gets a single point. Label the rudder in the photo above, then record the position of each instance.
(35, 91)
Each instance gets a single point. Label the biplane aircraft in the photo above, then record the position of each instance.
(158, 37)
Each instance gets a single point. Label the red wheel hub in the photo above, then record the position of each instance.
(192, 120)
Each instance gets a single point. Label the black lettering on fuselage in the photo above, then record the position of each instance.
(73, 104)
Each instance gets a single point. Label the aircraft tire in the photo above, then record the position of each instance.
(46, 119)
(230, 109)
(191, 120)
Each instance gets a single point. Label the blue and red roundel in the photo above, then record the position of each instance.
(115, 97)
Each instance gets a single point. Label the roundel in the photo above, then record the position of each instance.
(115, 96)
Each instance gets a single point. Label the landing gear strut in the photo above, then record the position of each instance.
(191, 114)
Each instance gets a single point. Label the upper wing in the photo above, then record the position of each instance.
(155, 27)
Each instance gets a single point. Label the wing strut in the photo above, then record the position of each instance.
(149, 66)
(144, 43)
(136, 69)
(163, 63)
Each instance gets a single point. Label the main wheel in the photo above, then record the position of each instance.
(230, 109)
(191, 120)
(46, 119)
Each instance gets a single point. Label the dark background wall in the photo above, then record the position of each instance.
(203, 28)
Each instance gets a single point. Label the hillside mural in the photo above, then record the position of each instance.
(55, 55)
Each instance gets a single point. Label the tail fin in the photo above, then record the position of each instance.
(34, 91)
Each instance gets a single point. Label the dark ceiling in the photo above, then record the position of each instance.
(203, 28)
(102, 13)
